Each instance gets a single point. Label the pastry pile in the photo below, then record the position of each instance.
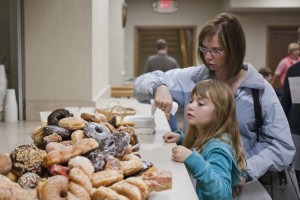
(80, 158)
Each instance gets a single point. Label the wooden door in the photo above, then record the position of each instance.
(278, 39)
(181, 45)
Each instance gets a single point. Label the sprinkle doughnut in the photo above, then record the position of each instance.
(55, 188)
(27, 158)
(97, 159)
(72, 123)
(64, 133)
(29, 180)
(57, 115)
(90, 117)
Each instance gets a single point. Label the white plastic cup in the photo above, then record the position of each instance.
(10, 107)
(73, 110)
(44, 117)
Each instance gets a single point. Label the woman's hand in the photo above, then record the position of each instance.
(180, 153)
(171, 137)
(237, 190)
(163, 98)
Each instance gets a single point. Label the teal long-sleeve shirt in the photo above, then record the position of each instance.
(215, 169)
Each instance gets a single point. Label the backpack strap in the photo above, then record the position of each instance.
(257, 111)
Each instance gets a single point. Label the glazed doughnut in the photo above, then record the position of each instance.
(77, 135)
(65, 154)
(101, 116)
(79, 191)
(105, 178)
(143, 187)
(67, 142)
(72, 123)
(50, 129)
(38, 135)
(106, 193)
(57, 115)
(5, 163)
(82, 163)
(131, 164)
(114, 164)
(76, 175)
(125, 123)
(97, 159)
(110, 127)
(158, 180)
(57, 169)
(55, 188)
(71, 196)
(54, 146)
(128, 190)
(52, 138)
(11, 190)
(121, 142)
(90, 117)
(148, 168)
(11, 176)
(29, 180)
(27, 158)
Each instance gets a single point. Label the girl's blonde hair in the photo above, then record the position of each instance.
(224, 120)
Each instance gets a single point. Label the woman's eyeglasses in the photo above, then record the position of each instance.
(214, 53)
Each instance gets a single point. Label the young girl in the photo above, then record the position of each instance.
(211, 148)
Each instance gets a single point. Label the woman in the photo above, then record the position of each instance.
(222, 51)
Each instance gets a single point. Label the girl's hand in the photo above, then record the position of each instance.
(180, 153)
(163, 98)
(171, 137)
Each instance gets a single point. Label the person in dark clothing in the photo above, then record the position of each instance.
(292, 111)
(161, 60)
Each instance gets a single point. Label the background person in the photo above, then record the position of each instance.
(162, 61)
(266, 72)
(211, 149)
(285, 63)
(222, 49)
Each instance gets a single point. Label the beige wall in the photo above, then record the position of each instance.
(197, 12)
(66, 53)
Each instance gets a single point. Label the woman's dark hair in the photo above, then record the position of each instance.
(231, 35)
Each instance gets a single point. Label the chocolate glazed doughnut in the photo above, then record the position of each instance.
(57, 115)
(64, 133)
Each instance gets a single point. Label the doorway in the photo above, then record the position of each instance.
(278, 39)
(181, 44)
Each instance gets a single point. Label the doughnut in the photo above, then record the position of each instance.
(139, 183)
(77, 135)
(57, 169)
(82, 163)
(76, 175)
(97, 159)
(55, 188)
(148, 167)
(54, 146)
(71, 123)
(66, 153)
(101, 116)
(131, 164)
(114, 164)
(67, 142)
(106, 178)
(38, 135)
(128, 190)
(79, 191)
(29, 180)
(110, 127)
(27, 158)
(125, 123)
(158, 180)
(130, 130)
(50, 129)
(114, 121)
(57, 115)
(5, 163)
(90, 117)
(11, 176)
(106, 193)
(54, 137)
(121, 142)
(12, 190)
